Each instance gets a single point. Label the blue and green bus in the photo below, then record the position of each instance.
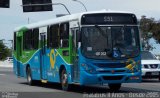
(90, 48)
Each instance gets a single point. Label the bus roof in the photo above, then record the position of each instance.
(64, 19)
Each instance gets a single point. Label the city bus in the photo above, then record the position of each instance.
(89, 48)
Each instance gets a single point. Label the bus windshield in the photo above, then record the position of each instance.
(107, 42)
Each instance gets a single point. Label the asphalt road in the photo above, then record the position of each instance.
(10, 83)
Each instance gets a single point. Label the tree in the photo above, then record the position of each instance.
(146, 28)
(156, 31)
(4, 51)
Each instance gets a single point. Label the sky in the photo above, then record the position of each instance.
(14, 16)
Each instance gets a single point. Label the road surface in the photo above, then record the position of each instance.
(11, 83)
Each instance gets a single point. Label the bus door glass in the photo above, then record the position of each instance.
(75, 32)
(42, 55)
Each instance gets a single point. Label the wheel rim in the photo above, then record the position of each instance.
(64, 79)
(29, 76)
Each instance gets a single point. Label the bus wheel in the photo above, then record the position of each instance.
(114, 87)
(64, 80)
(29, 76)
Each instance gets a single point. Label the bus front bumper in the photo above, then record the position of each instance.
(90, 79)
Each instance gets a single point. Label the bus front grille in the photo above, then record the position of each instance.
(111, 65)
(112, 77)
(110, 71)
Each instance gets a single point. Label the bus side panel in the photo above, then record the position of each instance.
(14, 65)
(54, 62)
(52, 71)
(34, 63)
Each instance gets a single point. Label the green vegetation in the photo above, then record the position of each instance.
(150, 28)
(4, 51)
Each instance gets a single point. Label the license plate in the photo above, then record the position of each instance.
(154, 73)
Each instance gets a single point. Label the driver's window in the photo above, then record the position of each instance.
(75, 37)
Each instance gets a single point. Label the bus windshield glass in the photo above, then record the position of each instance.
(107, 42)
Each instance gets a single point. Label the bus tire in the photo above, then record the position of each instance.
(114, 87)
(29, 76)
(64, 80)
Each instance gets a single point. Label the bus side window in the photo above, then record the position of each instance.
(78, 36)
(64, 34)
(35, 38)
(73, 39)
(53, 37)
(30, 39)
(27, 37)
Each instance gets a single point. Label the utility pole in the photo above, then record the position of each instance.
(81, 4)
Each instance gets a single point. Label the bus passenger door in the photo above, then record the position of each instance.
(76, 68)
(43, 67)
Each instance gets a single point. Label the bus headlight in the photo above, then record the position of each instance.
(133, 66)
(88, 68)
(134, 69)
